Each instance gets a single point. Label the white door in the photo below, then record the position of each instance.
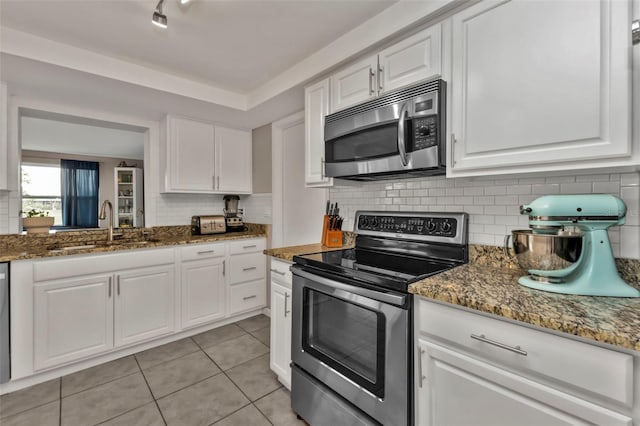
(413, 59)
(459, 390)
(540, 83)
(233, 161)
(316, 107)
(144, 304)
(297, 210)
(281, 332)
(190, 152)
(203, 292)
(354, 84)
(73, 319)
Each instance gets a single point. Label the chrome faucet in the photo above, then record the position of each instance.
(103, 216)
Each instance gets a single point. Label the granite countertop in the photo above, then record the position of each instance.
(51, 245)
(494, 290)
(489, 283)
(287, 253)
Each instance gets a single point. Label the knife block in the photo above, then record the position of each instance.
(334, 239)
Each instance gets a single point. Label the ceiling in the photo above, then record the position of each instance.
(235, 45)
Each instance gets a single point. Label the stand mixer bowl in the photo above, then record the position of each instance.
(547, 257)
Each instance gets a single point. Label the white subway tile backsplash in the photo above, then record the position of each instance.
(576, 188)
(630, 179)
(493, 203)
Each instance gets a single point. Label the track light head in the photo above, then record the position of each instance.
(158, 18)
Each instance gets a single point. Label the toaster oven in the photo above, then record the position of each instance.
(211, 224)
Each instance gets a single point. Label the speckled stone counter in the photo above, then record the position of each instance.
(287, 253)
(490, 285)
(20, 247)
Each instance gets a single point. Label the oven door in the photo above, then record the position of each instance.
(355, 341)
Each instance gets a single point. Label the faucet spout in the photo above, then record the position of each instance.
(103, 216)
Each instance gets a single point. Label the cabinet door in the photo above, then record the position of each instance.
(540, 84)
(190, 156)
(3, 136)
(354, 84)
(316, 107)
(73, 319)
(489, 395)
(203, 292)
(281, 333)
(233, 161)
(144, 304)
(413, 59)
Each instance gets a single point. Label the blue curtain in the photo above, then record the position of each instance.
(80, 186)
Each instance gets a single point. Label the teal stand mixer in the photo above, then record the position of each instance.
(594, 273)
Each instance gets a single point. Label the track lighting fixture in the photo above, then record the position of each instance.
(159, 19)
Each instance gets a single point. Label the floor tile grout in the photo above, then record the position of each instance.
(155, 401)
(96, 385)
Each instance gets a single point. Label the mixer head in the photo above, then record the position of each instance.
(587, 212)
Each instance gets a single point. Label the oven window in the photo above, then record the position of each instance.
(375, 142)
(347, 337)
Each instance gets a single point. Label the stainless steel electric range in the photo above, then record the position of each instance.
(352, 338)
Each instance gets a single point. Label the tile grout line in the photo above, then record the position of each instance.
(155, 401)
(60, 404)
(97, 384)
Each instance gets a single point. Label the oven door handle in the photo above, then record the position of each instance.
(402, 147)
(393, 299)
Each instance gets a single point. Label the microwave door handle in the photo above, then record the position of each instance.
(402, 148)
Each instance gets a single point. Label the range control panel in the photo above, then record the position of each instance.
(420, 226)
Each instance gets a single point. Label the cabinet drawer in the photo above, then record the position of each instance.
(281, 272)
(247, 246)
(554, 358)
(247, 296)
(202, 251)
(246, 267)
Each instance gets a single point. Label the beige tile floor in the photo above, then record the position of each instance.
(220, 377)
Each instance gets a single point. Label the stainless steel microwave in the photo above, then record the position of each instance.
(400, 134)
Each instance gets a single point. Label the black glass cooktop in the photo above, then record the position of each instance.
(383, 269)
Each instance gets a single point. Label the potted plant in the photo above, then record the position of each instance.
(37, 221)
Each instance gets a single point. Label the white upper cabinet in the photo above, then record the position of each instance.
(354, 84)
(538, 86)
(190, 155)
(413, 59)
(233, 161)
(316, 107)
(200, 157)
(3, 136)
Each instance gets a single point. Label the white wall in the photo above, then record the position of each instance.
(493, 202)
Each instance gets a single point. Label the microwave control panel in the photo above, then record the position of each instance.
(425, 132)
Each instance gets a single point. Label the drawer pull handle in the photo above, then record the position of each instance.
(248, 247)
(420, 353)
(249, 269)
(278, 272)
(249, 297)
(515, 349)
(206, 251)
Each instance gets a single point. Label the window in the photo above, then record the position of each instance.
(41, 189)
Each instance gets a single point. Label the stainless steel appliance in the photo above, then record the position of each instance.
(589, 271)
(233, 215)
(352, 323)
(5, 352)
(400, 134)
(208, 224)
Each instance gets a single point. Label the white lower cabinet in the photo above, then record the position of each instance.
(144, 304)
(280, 358)
(78, 317)
(246, 276)
(475, 370)
(72, 308)
(203, 287)
(73, 319)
